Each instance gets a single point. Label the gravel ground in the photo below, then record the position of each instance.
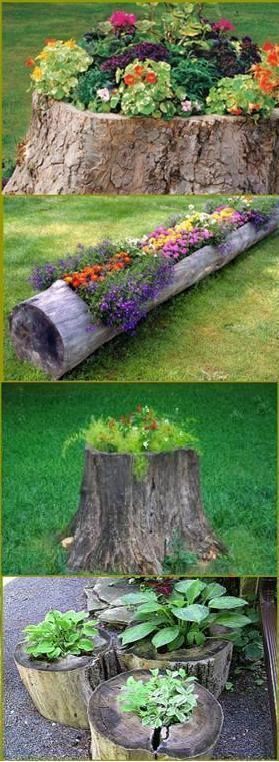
(246, 732)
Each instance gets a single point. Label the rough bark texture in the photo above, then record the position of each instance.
(126, 525)
(209, 663)
(52, 330)
(61, 690)
(71, 151)
(119, 736)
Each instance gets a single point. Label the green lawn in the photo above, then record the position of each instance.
(26, 25)
(222, 330)
(236, 424)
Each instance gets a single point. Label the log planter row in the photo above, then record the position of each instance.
(53, 330)
(72, 151)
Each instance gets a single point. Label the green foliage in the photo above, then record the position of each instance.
(163, 700)
(60, 634)
(182, 24)
(194, 76)
(248, 643)
(178, 560)
(238, 96)
(140, 432)
(87, 85)
(60, 63)
(186, 617)
(143, 97)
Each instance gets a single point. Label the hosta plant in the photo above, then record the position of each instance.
(59, 635)
(240, 95)
(58, 65)
(163, 700)
(186, 617)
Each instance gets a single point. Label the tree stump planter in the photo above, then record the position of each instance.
(127, 525)
(61, 690)
(53, 330)
(116, 735)
(209, 663)
(72, 151)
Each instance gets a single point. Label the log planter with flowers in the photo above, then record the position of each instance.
(140, 489)
(121, 735)
(54, 330)
(170, 103)
(60, 687)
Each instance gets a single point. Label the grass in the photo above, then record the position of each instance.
(26, 25)
(236, 425)
(221, 330)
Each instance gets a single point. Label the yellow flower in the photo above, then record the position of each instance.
(37, 74)
(70, 44)
(43, 55)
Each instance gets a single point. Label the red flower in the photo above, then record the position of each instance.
(30, 62)
(224, 25)
(268, 46)
(120, 19)
(129, 79)
(151, 77)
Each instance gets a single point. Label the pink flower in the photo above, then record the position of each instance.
(120, 19)
(224, 25)
(186, 105)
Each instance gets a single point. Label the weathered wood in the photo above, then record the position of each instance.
(116, 735)
(126, 525)
(53, 330)
(72, 151)
(209, 663)
(61, 690)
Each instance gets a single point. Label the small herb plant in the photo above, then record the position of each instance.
(163, 700)
(138, 433)
(60, 634)
(185, 617)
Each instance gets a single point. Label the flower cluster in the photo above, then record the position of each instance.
(122, 20)
(60, 62)
(142, 51)
(267, 72)
(98, 273)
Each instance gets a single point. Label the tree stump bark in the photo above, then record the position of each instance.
(72, 151)
(61, 690)
(126, 525)
(209, 663)
(53, 330)
(121, 736)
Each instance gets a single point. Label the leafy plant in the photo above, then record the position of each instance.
(186, 617)
(59, 635)
(239, 96)
(161, 701)
(194, 77)
(248, 643)
(88, 84)
(59, 64)
(266, 72)
(178, 560)
(145, 89)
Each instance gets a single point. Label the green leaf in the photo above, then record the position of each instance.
(226, 602)
(138, 632)
(232, 620)
(148, 608)
(85, 644)
(131, 599)
(194, 613)
(191, 587)
(164, 636)
(213, 590)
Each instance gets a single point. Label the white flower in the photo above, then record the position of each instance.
(186, 105)
(103, 93)
(145, 444)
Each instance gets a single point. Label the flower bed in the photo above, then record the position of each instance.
(170, 67)
(80, 308)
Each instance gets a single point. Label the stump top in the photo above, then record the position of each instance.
(146, 650)
(187, 740)
(67, 663)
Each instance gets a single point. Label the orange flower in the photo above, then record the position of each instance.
(268, 46)
(273, 56)
(129, 79)
(235, 111)
(151, 77)
(50, 41)
(139, 70)
(30, 62)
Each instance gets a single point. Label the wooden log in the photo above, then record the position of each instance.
(209, 663)
(61, 690)
(72, 151)
(53, 330)
(126, 525)
(116, 735)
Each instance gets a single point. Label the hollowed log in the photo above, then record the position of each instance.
(72, 151)
(61, 690)
(126, 525)
(53, 330)
(116, 735)
(209, 663)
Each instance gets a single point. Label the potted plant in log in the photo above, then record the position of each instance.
(183, 628)
(140, 484)
(60, 662)
(169, 716)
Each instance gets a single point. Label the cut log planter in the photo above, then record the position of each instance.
(61, 690)
(126, 525)
(209, 663)
(72, 151)
(116, 735)
(53, 330)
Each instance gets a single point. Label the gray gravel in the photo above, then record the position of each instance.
(28, 736)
